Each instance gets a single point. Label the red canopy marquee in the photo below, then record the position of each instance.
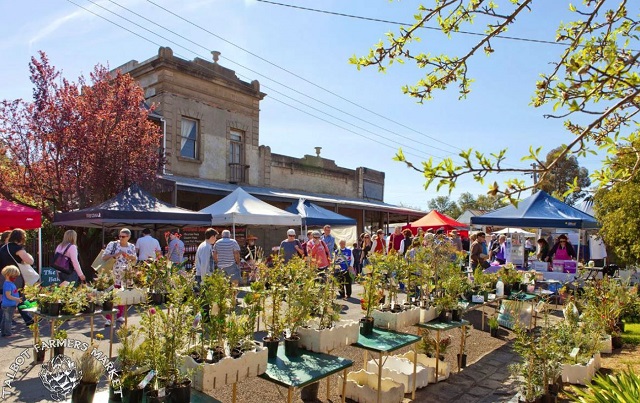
(14, 215)
(435, 220)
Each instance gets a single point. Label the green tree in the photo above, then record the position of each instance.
(445, 205)
(618, 210)
(594, 85)
(467, 201)
(566, 173)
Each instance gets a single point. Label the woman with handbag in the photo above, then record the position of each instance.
(124, 254)
(11, 254)
(68, 248)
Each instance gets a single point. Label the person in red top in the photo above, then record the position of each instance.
(318, 250)
(395, 241)
(378, 243)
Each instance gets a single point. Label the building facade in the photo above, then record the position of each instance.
(212, 133)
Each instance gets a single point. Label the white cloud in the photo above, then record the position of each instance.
(55, 25)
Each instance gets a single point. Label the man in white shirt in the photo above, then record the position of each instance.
(204, 255)
(147, 246)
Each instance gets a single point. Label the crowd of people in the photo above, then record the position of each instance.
(220, 251)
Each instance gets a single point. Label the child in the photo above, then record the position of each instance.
(10, 298)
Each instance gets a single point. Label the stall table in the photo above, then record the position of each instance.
(384, 342)
(64, 318)
(444, 326)
(307, 368)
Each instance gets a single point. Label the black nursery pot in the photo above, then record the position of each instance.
(107, 306)
(83, 393)
(39, 355)
(494, 332)
(456, 315)
(156, 298)
(462, 361)
(90, 308)
(445, 316)
(272, 346)
(507, 289)
(133, 396)
(54, 309)
(366, 326)
(292, 346)
(180, 393)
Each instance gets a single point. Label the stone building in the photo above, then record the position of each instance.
(211, 124)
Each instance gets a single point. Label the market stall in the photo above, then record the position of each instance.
(14, 215)
(539, 211)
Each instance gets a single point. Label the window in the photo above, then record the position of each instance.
(236, 157)
(235, 148)
(189, 138)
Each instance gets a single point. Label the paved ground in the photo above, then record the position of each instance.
(485, 380)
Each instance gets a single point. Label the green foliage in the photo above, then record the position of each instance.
(277, 279)
(445, 205)
(559, 179)
(372, 285)
(620, 388)
(617, 210)
(493, 322)
(594, 85)
(300, 294)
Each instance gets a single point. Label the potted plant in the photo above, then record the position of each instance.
(371, 296)
(130, 366)
(91, 369)
(462, 358)
(157, 274)
(300, 300)
(60, 335)
(175, 338)
(103, 281)
(493, 325)
(511, 278)
(429, 346)
(216, 302)
(39, 350)
(277, 278)
(107, 299)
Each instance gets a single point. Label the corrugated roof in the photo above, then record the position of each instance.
(212, 187)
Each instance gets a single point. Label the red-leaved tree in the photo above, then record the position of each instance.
(75, 144)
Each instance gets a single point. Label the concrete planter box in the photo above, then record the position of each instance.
(207, 377)
(597, 362)
(427, 315)
(579, 374)
(401, 371)
(133, 296)
(605, 345)
(362, 386)
(430, 364)
(396, 321)
(342, 334)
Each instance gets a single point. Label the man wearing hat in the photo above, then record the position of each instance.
(456, 240)
(249, 251)
(290, 247)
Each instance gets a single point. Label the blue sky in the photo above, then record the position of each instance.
(317, 47)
